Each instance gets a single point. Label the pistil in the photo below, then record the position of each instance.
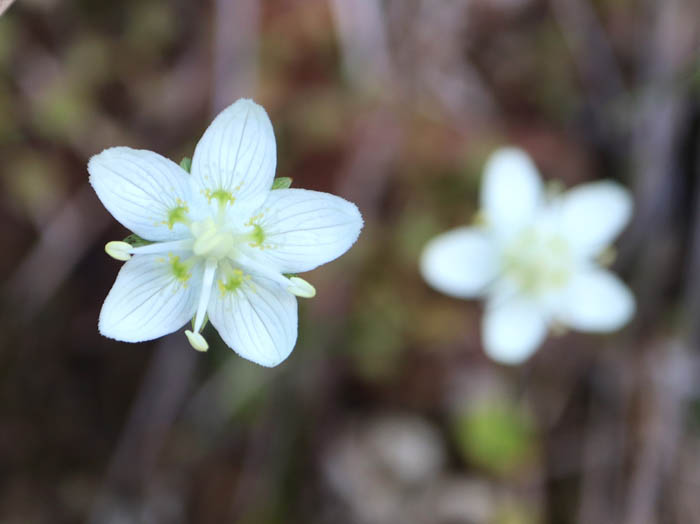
(195, 338)
(207, 283)
(123, 250)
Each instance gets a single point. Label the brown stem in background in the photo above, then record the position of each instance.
(668, 379)
(594, 58)
(63, 242)
(154, 410)
(236, 36)
(664, 374)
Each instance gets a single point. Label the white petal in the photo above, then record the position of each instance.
(594, 214)
(142, 190)
(258, 320)
(460, 263)
(147, 301)
(303, 229)
(511, 191)
(513, 329)
(597, 301)
(237, 155)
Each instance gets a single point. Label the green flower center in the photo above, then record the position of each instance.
(538, 261)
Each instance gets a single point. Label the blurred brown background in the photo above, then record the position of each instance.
(387, 411)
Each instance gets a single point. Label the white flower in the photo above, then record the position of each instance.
(224, 244)
(534, 258)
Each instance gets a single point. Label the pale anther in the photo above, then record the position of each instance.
(197, 341)
(118, 250)
(301, 288)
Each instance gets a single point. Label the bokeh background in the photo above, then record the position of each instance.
(388, 410)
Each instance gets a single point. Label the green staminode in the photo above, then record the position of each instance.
(258, 235)
(177, 214)
(180, 270)
(224, 197)
(232, 282)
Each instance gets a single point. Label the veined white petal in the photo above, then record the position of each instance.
(302, 229)
(460, 263)
(148, 300)
(592, 215)
(255, 316)
(146, 192)
(234, 161)
(597, 301)
(513, 329)
(511, 190)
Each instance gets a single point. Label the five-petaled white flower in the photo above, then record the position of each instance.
(534, 258)
(224, 243)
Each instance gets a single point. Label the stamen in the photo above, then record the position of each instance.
(207, 283)
(197, 341)
(295, 285)
(119, 250)
(301, 288)
(221, 214)
(163, 247)
(250, 266)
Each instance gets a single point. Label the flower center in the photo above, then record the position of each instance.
(538, 261)
(211, 241)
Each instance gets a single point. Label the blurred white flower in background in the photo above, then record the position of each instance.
(534, 258)
(222, 243)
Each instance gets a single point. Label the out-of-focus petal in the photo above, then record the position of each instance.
(592, 215)
(513, 329)
(460, 263)
(596, 300)
(511, 190)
